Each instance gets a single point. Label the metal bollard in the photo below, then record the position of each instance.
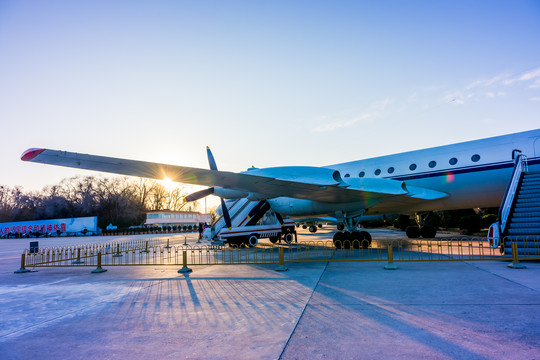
(145, 247)
(281, 266)
(22, 269)
(78, 261)
(99, 269)
(117, 251)
(390, 265)
(168, 246)
(184, 268)
(515, 260)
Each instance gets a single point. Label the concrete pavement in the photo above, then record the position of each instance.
(437, 310)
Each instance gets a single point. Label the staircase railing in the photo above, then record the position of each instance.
(511, 189)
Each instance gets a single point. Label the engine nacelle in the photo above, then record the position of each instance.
(300, 207)
(305, 174)
(229, 194)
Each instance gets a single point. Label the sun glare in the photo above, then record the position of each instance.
(168, 184)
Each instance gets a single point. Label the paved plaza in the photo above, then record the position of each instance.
(349, 310)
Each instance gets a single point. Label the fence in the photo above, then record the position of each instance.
(162, 252)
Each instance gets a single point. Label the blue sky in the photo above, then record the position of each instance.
(263, 83)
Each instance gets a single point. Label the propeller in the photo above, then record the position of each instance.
(280, 219)
(202, 193)
(211, 160)
(199, 194)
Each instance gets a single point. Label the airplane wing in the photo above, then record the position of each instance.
(310, 183)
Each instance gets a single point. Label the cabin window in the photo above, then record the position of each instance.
(452, 161)
(362, 174)
(432, 164)
(347, 175)
(378, 172)
(390, 170)
(475, 158)
(412, 167)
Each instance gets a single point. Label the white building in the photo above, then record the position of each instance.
(175, 218)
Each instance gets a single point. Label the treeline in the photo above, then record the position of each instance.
(121, 201)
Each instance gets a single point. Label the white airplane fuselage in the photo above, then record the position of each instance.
(474, 174)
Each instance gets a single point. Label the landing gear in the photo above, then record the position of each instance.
(355, 239)
(312, 229)
(413, 232)
(428, 231)
(424, 229)
(274, 239)
(340, 226)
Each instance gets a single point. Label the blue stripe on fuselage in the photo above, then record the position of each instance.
(464, 170)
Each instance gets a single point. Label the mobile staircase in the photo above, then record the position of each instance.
(519, 214)
(247, 227)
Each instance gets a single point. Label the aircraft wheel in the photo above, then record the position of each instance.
(347, 240)
(288, 238)
(319, 226)
(304, 226)
(367, 239)
(312, 229)
(338, 240)
(356, 238)
(413, 232)
(252, 240)
(274, 239)
(428, 231)
(340, 227)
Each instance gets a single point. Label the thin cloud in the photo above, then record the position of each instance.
(342, 123)
(529, 75)
(377, 110)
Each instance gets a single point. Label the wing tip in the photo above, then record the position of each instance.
(30, 154)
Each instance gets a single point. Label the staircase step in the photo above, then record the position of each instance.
(526, 219)
(528, 206)
(527, 239)
(526, 215)
(524, 224)
(533, 182)
(528, 231)
(529, 195)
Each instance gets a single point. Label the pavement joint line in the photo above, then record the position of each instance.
(112, 300)
(303, 310)
(500, 276)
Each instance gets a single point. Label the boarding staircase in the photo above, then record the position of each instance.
(243, 212)
(519, 214)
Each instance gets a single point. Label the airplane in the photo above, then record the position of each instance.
(472, 174)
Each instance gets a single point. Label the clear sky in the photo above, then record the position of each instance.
(263, 83)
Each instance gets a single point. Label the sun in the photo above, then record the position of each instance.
(168, 183)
